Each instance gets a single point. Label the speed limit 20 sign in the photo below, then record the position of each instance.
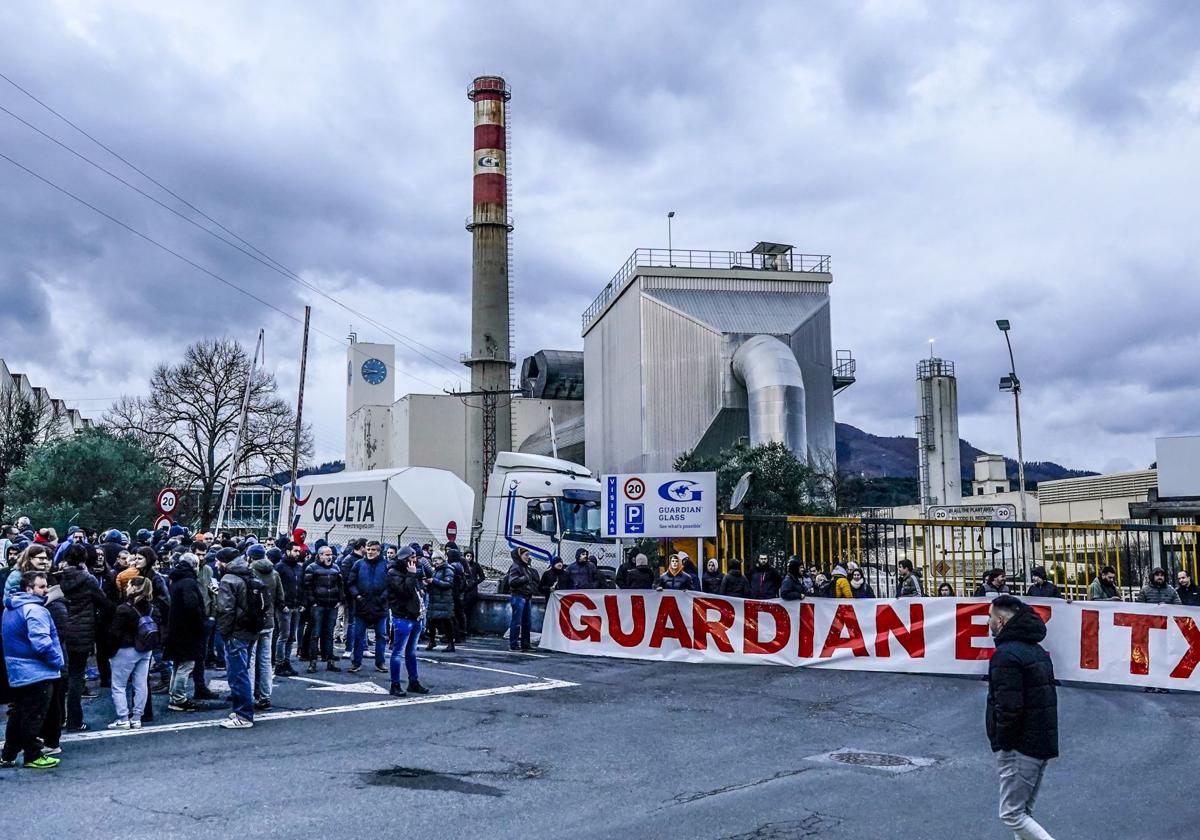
(167, 501)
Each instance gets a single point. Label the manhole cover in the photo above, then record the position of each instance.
(870, 759)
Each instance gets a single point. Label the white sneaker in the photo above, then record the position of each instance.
(119, 724)
(236, 721)
(135, 724)
(54, 751)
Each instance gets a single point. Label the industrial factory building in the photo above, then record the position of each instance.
(682, 351)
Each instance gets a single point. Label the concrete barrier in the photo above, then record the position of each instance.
(492, 614)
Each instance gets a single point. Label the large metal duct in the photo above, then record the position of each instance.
(553, 375)
(774, 393)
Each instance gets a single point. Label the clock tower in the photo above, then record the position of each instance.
(370, 392)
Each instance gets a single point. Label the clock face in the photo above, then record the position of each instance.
(374, 371)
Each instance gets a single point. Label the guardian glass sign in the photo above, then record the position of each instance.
(660, 505)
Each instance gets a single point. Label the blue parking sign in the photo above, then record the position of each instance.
(635, 519)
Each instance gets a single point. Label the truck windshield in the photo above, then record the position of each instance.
(580, 518)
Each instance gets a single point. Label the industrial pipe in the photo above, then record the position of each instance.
(774, 393)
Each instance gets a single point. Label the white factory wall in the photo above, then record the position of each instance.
(430, 430)
(531, 417)
(369, 438)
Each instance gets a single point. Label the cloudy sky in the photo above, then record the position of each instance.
(960, 162)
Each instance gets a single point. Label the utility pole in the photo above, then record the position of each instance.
(299, 418)
(227, 494)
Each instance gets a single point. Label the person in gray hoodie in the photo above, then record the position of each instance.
(239, 630)
(262, 675)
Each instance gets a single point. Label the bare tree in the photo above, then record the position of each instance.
(190, 418)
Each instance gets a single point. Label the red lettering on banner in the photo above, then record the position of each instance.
(1139, 637)
(637, 604)
(804, 645)
(1191, 659)
(751, 643)
(911, 638)
(589, 629)
(1089, 640)
(718, 631)
(966, 630)
(669, 624)
(844, 619)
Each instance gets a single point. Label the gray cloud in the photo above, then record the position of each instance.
(1028, 161)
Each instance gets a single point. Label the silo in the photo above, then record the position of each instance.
(938, 459)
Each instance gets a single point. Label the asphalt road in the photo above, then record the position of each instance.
(557, 746)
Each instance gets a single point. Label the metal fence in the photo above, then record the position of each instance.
(960, 552)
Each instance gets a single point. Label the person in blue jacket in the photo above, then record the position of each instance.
(34, 660)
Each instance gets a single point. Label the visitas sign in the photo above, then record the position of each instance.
(660, 505)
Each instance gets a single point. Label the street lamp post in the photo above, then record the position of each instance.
(1013, 384)
(670, 249)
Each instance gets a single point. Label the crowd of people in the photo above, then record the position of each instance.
(159, 611)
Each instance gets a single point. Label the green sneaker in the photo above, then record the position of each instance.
(44, 762)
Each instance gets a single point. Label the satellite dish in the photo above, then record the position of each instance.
(740, 491)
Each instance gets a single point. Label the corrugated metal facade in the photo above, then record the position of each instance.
(682, 365)
(612, 370)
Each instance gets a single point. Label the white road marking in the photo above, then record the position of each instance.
(512, 652)
(541, 685)
(354, 688)
(477, 667)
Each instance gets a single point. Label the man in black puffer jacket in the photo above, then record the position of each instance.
(523, 584)
(1022, 711)
(86, 608)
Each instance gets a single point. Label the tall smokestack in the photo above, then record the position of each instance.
(489, 420)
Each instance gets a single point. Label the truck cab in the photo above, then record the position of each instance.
(546, 505)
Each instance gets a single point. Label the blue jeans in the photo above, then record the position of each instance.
(518, 625)
(405, 634)
(237, 672)
(263, 673)
(360, 638)
(351, 625)
(323, 620)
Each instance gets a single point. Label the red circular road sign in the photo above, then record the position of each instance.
(167, 501)
(451, 531)
(635, 488)
(163, 521)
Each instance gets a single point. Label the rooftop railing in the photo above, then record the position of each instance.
(719, 260)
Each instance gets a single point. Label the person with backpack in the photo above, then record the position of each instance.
(241, 603)
(135, 635)
(264, 574)
(33, 661)
(368, 593)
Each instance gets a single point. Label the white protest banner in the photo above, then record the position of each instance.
(1101, 642)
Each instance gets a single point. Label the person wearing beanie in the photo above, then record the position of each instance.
(552, 577)
(522, 582)
(262, 652)
(734, 584)
(290, 569)
(1041, 586)
(187, 632)
(405, 595)
(1157, 590)
(641, 576)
